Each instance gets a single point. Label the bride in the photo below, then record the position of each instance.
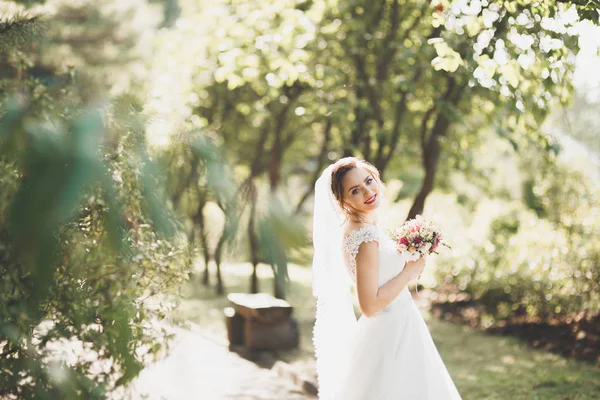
(388, 354)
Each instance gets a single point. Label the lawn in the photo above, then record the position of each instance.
(484, 367)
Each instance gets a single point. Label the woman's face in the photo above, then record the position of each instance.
(361, 190)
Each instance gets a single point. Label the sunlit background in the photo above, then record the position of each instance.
(157, 155)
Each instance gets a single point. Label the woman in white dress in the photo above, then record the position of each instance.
(388, 354)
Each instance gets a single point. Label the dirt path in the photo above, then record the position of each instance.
(201, 368)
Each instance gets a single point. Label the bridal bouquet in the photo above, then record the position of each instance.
(418, 236)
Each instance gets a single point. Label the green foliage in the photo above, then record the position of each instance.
(285, 87)
(580, 120)
(86, 267)
(398, 83)
(18, 29)
(90, 250)
(282, 240)
(543, 263)
(83, 264)
(105, 42)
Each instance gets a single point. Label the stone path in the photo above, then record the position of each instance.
(204, 369)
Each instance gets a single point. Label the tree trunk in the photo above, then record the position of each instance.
(360, 125)
(220, 285)
(218, 252)
(199, 221)
(382, 161)
(275, 161)
(431, 156)
(278, 265)
(366, 143)
(278, 284)
(321, 160)
(253, 238)
(431, 146)
(280, 145)
(205, 274)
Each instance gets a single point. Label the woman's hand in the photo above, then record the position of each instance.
(413, 269)
(373, 298)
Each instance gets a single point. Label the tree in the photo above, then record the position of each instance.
(86, 237)
(580, 120)
(256, 112)
(285, 86)
(390, 81)
(196, 175)
(423, 78)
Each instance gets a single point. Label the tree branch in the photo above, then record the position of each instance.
(20, 29)
(424, 122)
(389, 48)
(280, 144)
(322, 157)
(418, 19)
(382, 161)
(447, 96)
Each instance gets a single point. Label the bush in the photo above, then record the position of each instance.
(542, 262)
(85, 271)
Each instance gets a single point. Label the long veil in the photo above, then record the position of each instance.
(335, 320)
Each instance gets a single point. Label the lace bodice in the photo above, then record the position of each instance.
(352, 242)
(390, 261)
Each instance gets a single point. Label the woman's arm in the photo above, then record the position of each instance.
(372, 298)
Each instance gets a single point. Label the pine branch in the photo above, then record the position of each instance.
(19, 29)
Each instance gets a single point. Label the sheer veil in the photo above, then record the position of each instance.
(335, 319)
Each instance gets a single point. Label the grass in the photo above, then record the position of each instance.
(484, 367)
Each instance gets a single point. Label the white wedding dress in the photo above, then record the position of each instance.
(392, 355)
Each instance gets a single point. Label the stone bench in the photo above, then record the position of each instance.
(260, 322)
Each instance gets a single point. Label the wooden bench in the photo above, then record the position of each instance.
(260, 322)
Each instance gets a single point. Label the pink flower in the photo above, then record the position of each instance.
(417, 235)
